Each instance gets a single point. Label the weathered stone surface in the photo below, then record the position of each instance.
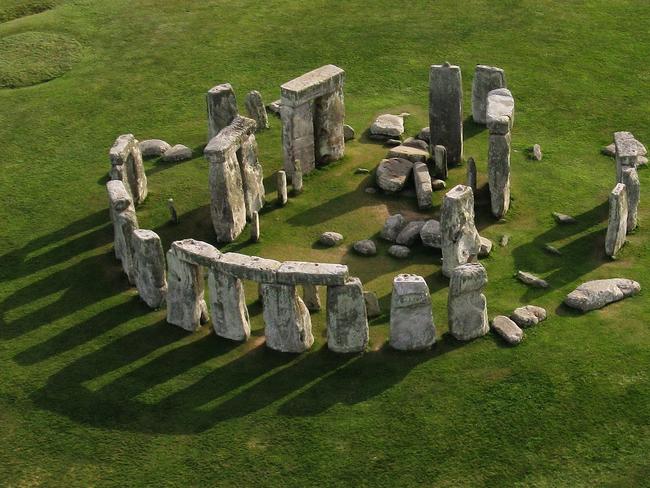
(537, 152)
(617, 226)
(298, 137)
(255, 227)
(460, 240)
(186, 305)
(609, 150)
(626, 152)
(499, 174)
(118, 198)
(500, 111)
(430, 234)
(389, 142)
(399, 252)
(127, 166)
(528, 315)
(507, 329)
(388, 125)
(149, 267)
(125, 223)
(252, 175)
(424, 135)
(392, 227)
(466, 305)
(311, 297)
(561, 218)
(486, 247)
(222, 108)
(472, 174)
(392, 174)
(245, 267)
(531, 280)
(411, 316)
(286, 318)
(330, 239)
(410, 233)
(437, 185)
(347, 322)
(281, 183)
(329, 113)
(630, 179)
(256, 110)
(486, 79)
(372, 304)
(598, 293)
(297, 272)
(416, 143)
(228, 306)
(153, 148)
(446, 110)
(177, 153)
(348, 132)
(423, 188)
(413, 154)
(274, 107)
(196, 252)
(296, 178)
(173, 213)
(440, 161)
(365, 247)
(642, 161)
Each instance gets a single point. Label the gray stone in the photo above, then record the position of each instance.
(413, 154)
(127, 166)
(392, 174)
(424, 135)
(430, 234)
(361, 171)
(598, 293)
(281, 182)
(440, 162)
(177, 153)
(392, 142)
(531, 280)
(228, 306)
(609, 150)
(486, 79)
(630, 179)
(505, 239)
(365, 247)
(186, 307)
(410, 233)
(286, 318)
(125, 223)
(153, 148)
(486, 247)
(222, 108)
(330, 239)
(437, 185)
(297, 272)
(417, 143)
(348, 132)
(252, 175)
(296, 178)
(472, 174)
(423, 188)
(617, 226)
(528, 315)
(347, 322)
(173, 213)
(399, 252)
(460, 240)
(388, 125)
(311, 297)
(537, 152)
(149, 267)
(446, 110)
(561, 218)
(499, 174)
(411, 316)
(255, 227)
(507, 329)
(372, 304)
(245, 267)
(274, 107)
(256, 110)
(626, 152)
(196, 252)
(392, 227)
(500, 111)
(466, 305)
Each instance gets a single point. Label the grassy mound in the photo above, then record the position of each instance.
(15, 9)
(30, 58)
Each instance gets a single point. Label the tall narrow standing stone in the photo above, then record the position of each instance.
(286, 318)
(186, 305)
(296, 177)
(149, 261)
(460, 240)
(411, 316)
(446, 110)
(466, 305)
(222, 108)
(472, 175)
(440, 161)
(311, 297)
(255, 227)
(347, 322)
(282, 187)
(630, 179)
(617, 226)
(329, 115)
(125, 223)
(256, 109)
(499, 173)
(252, 176)
(228, 306)
(127, 166)
(486, 79)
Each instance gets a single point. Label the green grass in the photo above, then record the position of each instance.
(97, 390)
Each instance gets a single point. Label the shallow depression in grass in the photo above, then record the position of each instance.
(30, 58)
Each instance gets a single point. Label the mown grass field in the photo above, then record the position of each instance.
(97, 390)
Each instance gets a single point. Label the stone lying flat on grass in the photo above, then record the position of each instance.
(528, 315)
(486, 247)
(372, 304)
(598, 293)
(531, 280)
(392, 227)
(500, 111)
(153, 148)
(561, 218)
(430, 234)
(416, 143)
(411, 316)
(413, 154)
(297, 272)
(365, 247)
(348, 133)
(399, 252)
(410, 233)
(330, 239)
(423, 188)
(177, 153)
(388, 125)
(392, 174)
(507, 329)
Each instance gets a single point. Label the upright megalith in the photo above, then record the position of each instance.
(460, 241)
(312, 112)
(617, 226)
(286, 318)
(626, 152)
(411, 316)
(423, 189)
(256, 109)
(222, 108)
(466, 305)
(127, 166)
(118, 198)
(347, 322)
(125, 221)
(472, 174)
(630, 179)
(252, 175)
(446, 110)
(149, 267)
(486, 79)
(296, 177)
(499, 173)
(440, 162)
(228, 306)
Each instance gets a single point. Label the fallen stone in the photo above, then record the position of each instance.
(365, 247)
(466, 305)
(388, 125)
(528, 316)
(438, 185)
(370, 190)
(361, 171)
(298, 273)
(311, 297)
(274, 107)
(460, 240)
(411, 316)
(256, 110)
(486, 79)
(149, 267)
(228, 307)
(486, 247)
(330, 239)
(507, 329)
(531, 280)
(500, 111)
(423, 188)
(286, 318)
(399, 252)
(446, 110)
(417, 144)
(537, 152)
(153, 148)
(413, 154)
(177, 153)
(372, 304)
(347, 321)
(392, 174)
(410, 233)
(253, 268)
(348, 133)
(430, 234)
(598, 293)
(617, 226)
(563, 218)
(424, 135)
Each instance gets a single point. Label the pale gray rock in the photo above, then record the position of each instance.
(472, 174)
(392, 174)
(617, 226)
(642, 161)
(388, 125)
(410, 233)
(537, 152)
(347, 322)
(252, 175)
(446, 110)
(430, 234)
(125, 223)
(437, 185)
(486, 79)
(149, 267)
(255, 227)
(561, 218)
(507, 329)
(330, 239)
(626, 152)
(499, 174)
(411, 316)
(423, 188)
(505, 239)
(440, 161)
(424, 135)
(531, 280)
(500, 111)
(118, 198)
(609, 150)
(413, 154)
(630, 179)
(311, 297)
(460, 240)
(298, 272)
(399, 252)
(286, 318)
(127, 166)
(196, 252)
(361, 171)
(466, 305)
(348, 132)
(281, 182)
(177, 153)
(372, 304)
(228, 306)
(365, 247)
(392, 227)
(153, 148)
(528, 315)
(598, 293)
(245, 267)
(486, 247)
(274, 107)
(256, 110)
(186, 307)
(296, 178)
(552, 250)
(222, 108)
(416, 143)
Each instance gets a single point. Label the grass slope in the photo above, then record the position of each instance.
(96, 390)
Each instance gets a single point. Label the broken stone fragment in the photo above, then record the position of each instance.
(153, 148)
(486, 247)
(466, 305)
(388, 125)
(274, 107)
(256, 110)
(531, 280)
(416, 143)
(486, 79)
(609, 150)
(528, 315)
(348, 132)
(390, 142)
(500, 111)
(424, 135)
(286, 318)
(564, 219)
(437, 185)
(446, 110)
(177, 153)
(598, 293)
(365, 247)
(372, 304)
(505, 239)
(149, 267)
(507, 329)
(393, 226)
(430, 234)
(347, 322)
(552, 250)
(617, 226)
(440, 161)
(222, 108)
(399, 252)
(413, 154)
(411, 316)
(392, 174)
(311, 297)
(410, 233)
(330, 239)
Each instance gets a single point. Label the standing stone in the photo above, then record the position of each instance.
(537, 152)
(347, 323)
(499, 174)
(255, 227)
(617, 227)
(296, 177)
(460, 240)
(311, 297)
(471, 174)
(423, 188)
(392, 174)
(372, 304)
(440, 162)
(282, 187)
(252, 173)
(630, 179)
(446, 110)
(411, 317)
(228, 306)
(186, 305)
(173, 214)
(329, 137)
(507, 329)
(466, 305)
(348, 132)
(149, 263)
(125, 223)
(127, 166)
(286, 318)
(222, 108)
(627, 152)
(486, 79)
(256, 109)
